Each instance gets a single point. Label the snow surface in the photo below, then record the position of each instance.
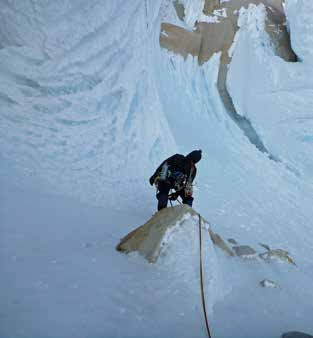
(89, 105)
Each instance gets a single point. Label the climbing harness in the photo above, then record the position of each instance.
(179, 180)
(201, 280)
(171, 197)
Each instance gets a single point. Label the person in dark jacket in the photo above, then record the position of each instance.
(177, 172)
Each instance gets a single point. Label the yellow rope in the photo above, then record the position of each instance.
(201, 281)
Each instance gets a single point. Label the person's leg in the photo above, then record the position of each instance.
(186, 199)
(162, 195)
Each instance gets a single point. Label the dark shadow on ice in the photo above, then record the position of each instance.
(242, 122)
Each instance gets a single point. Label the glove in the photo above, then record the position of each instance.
(151, 180)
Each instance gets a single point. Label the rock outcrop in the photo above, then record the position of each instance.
(244, 251)
(266, 283)
(219, 242)
(148, 239)
(279, 254)
(210, 6)
(208, 38)
(296, 334)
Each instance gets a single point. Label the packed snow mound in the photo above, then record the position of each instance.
(150, 238)
(172, 239)
(300, 22)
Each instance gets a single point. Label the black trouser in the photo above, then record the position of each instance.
(164, 188)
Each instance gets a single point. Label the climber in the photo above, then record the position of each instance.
(177, 172)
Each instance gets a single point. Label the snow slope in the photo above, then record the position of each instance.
(89, 104)
(61, 276)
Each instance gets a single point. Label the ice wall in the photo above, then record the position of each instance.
(300, 22)
(79, 106)
(273, 94)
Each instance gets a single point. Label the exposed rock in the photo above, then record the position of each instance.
(218, 241)
(295, 334)
(279, 254)
(179, 40)
(180, 9)
(265, 246)
(266, 283)
(280, 38)
(216, 37)
(244, 251)
(210, 6)
(208, 38)
(276, 253)
(232, 241)
(147, 239)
